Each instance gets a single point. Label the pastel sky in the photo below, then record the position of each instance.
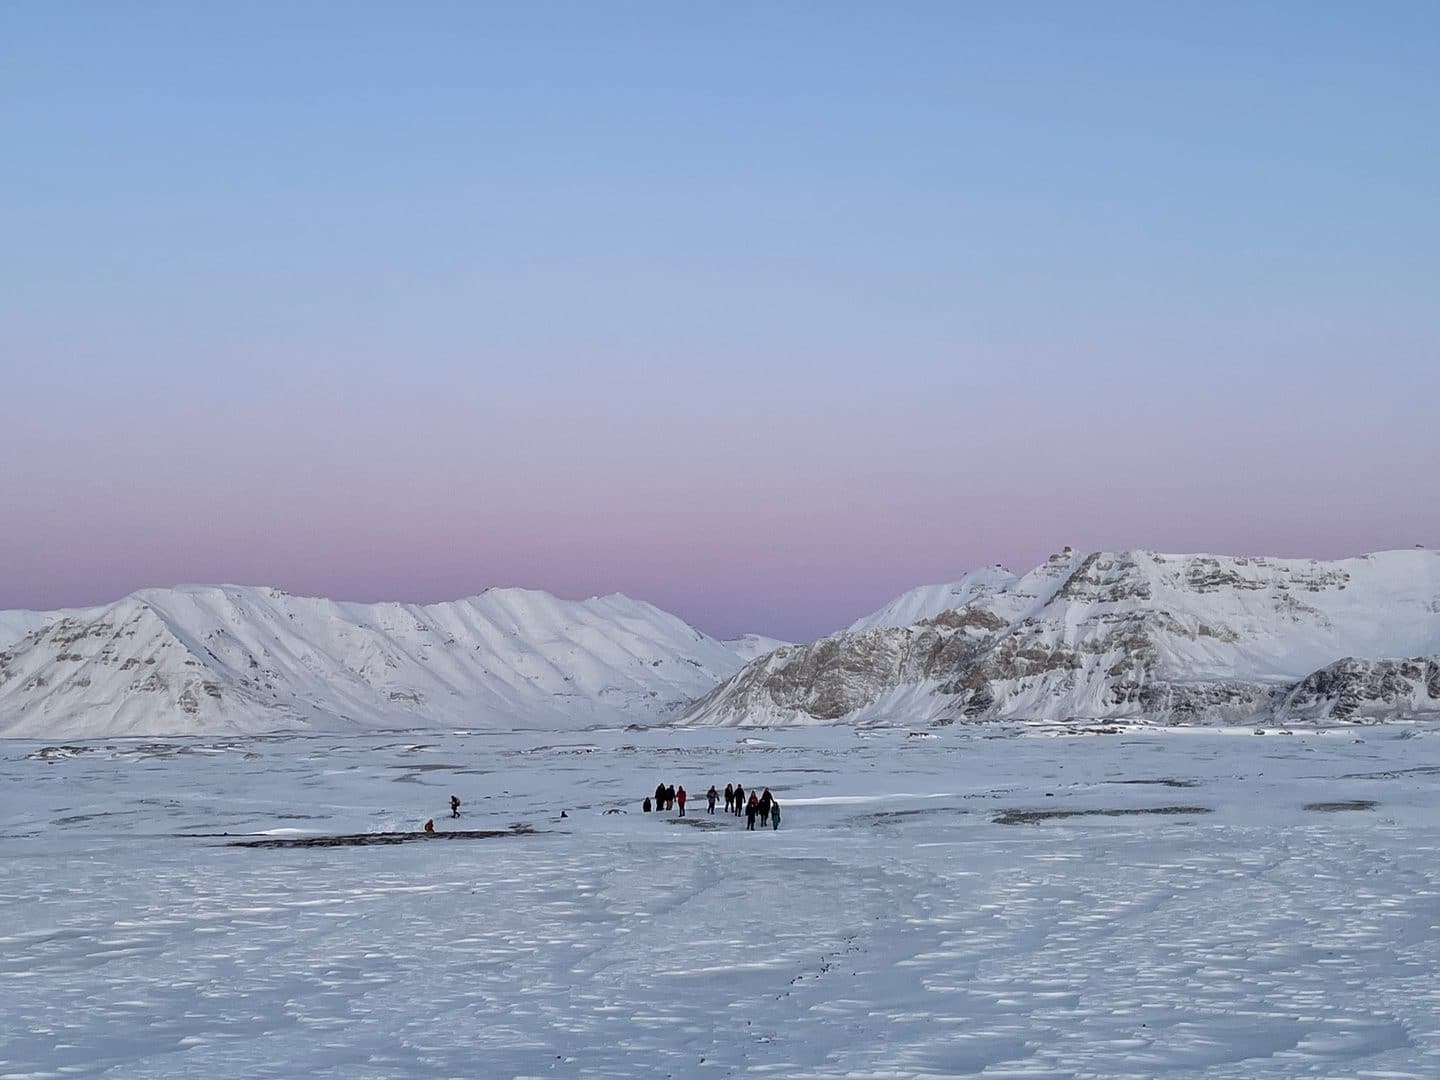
(763, 312)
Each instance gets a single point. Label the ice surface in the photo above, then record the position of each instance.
(893, 927)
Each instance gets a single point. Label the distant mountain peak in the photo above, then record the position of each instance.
(204, 658)
(1100, 635)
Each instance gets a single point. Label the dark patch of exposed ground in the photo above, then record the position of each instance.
(1395, 774)
(1342, 804)
(373, 839)
(1031, 817)
(891, 817)
(1167, 781)
(696, 821)
(76, 819)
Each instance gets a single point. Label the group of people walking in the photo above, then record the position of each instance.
(764, 807)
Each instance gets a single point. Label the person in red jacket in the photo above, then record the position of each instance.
(680, 799)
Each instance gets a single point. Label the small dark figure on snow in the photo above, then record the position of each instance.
(659, 796)
(751, 809)
(454, 806)
(669, 796)
(729, 798)
(680, 798)
(646, 804)
(765, 801)
(430, 825)
(739, 800)
(710, 797)
(774, 815)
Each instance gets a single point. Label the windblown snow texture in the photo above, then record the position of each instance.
(995, 901)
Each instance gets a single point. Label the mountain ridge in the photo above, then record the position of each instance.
(1112, 635)
(203, 658)
(1084, 635)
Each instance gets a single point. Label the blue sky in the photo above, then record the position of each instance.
(760, 311)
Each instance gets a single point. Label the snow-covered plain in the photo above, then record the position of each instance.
(916, 915)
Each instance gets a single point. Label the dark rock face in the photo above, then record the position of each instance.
(1200, 701)
(836, 676)
(1353, 689)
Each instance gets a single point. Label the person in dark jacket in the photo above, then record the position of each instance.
(751, 808)
(774, 815)
(454, 805)
(680, 798)
(729, 798)
(646, 804)
(669, 796)
(659, 796)
(739, 800)
(765, 801)
(711, 797)
(430, 825)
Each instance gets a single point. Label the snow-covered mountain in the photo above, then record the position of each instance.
(227, 658)
(14, 625)
(752, 646)
(1111, 635)
(927, 601)
(1083, 636)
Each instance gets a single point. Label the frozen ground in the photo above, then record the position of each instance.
(915, 915)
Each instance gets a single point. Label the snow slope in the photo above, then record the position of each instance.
(752, 646)
(227, 658)
(1128, 634)
(927, 601)
(14, 625)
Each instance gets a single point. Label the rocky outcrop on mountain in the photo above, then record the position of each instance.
(1352, 689)
(1172, 638)
(225, 658)
(14, 625)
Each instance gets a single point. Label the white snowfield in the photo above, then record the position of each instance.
(1104, 635)
(992, 901)
(201, 659)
